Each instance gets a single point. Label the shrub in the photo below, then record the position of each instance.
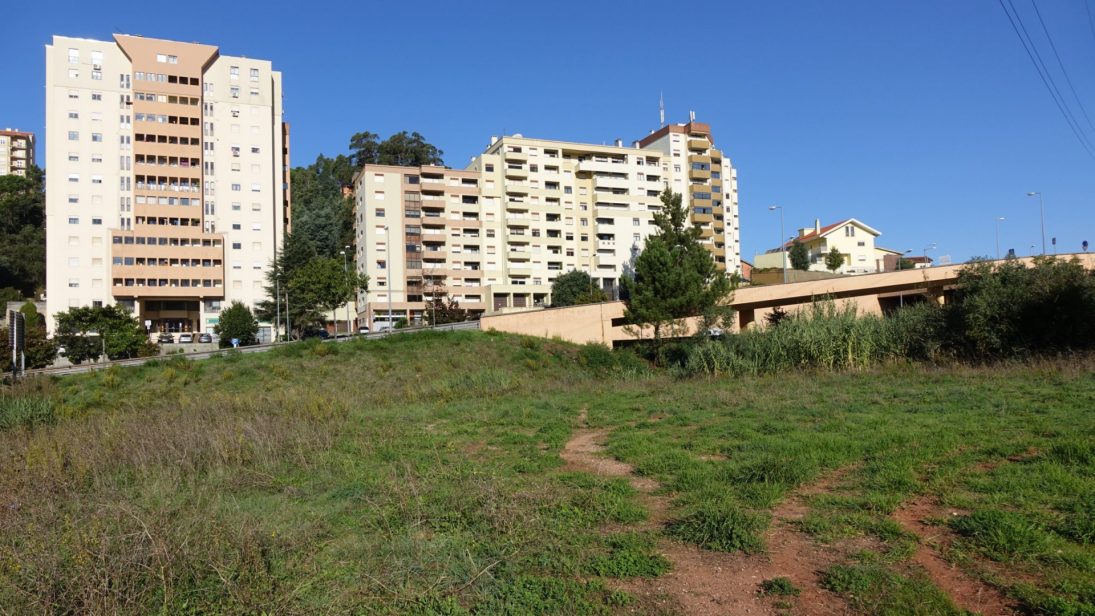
(25, 411)
(631, 556)
(237, 322)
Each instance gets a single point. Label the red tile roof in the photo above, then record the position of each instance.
(811, 235)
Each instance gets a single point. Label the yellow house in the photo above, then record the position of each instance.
(854, 240)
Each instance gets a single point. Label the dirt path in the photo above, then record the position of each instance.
(709, 583)
(966, 591)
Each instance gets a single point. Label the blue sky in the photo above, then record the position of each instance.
(924, 119)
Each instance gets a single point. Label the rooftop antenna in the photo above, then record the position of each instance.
(661, 109)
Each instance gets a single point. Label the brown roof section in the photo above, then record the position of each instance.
(811, 235)
(692, 128)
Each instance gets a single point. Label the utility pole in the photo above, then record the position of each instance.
(1042, 208)
(288, 323)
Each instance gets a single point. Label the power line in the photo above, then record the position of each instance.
(1061, 64)
(1047, 79)
(1081, 134)
(1090, 19)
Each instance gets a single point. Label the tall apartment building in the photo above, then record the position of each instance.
(495, 235)
(167, 187)
(16, 152)
(708, 186)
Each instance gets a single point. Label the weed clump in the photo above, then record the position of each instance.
(1003, 535)
(779, 587)
(721, 526)
(630, 555)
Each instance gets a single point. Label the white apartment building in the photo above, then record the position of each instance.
(495, 235)
(16, 152)
(167, 187)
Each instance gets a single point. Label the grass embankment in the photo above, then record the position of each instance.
(421, 474)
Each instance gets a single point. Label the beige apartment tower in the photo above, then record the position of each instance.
(167, 187)
(16, 152)
(495, 235)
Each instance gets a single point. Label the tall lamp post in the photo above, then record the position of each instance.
(1042, 210)
(999, 219)
(782, 244)
(926, 249)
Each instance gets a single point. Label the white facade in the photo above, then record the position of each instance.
(171, 229)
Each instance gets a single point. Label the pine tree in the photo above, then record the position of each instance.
(799, 256)
(675, 275)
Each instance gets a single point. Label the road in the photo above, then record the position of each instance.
(258, 348)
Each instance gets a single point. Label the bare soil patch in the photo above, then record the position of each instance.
(966, 591)
(707, 583)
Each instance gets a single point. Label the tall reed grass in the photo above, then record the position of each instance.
(823, 337)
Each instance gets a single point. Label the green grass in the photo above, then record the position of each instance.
(421, 474)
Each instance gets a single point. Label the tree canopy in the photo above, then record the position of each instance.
(573, 288)
(401, 149)
(236, 321)
(833, 260)
(444, 309)
(675, 275)
(799, 256)
(22, 225)
(86, 333)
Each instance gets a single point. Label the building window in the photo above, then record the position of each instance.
(235, 226)
(97, 137)
(73, 56)
(73, 220)
(237, 246)
(380, 212)
(255, 188)
(254, 149)
(73, 135)
(849, 231)
(254, 74)
(236, 187)
(235, 91)
(234, 72)
(96, 221)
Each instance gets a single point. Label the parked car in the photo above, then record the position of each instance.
(316, 333)
(205, 338)
(364, 329)
(165, 338)
(186, 338)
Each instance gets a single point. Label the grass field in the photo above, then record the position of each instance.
(422, 474)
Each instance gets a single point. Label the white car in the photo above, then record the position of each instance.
(364, 329)
(186, 338)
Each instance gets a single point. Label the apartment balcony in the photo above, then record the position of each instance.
(518, 221)
(718, 251)
(604, 166)
(516, 172)
(436, 253)
(699, 174)
(699, 144)
(517, 188)
(606, 244)
(515, 269)
(463, 223)
(519, 255)
(611, 182)
(136, 291)
(516, 156)
(706, 233)
(434, 187)
(702, 218)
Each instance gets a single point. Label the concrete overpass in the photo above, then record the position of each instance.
(869, 293)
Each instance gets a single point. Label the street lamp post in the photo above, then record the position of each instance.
(782, 244)
(999, 219)
(899, 260)
(1042, 211)
(926, 249)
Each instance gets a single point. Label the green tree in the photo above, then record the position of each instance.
(236, 321)
(22, 225)
(905, 264)
(799, 257)
(364, 149)
(833, 260)
(675, 275)
(573, 288)
(87, 333)
(444, 309)
(322, 284)
(295, 253)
